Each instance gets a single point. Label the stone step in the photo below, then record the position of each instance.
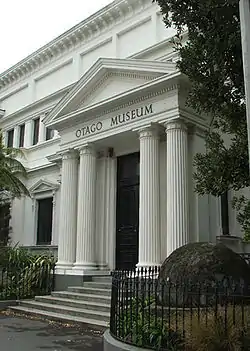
(72, 311)
(102, 279)
(90, 291)
(81, 304)
(79, 296)
(61, 317)
(97, 285)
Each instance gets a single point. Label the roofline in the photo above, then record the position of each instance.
(62, 36)
(47, 49)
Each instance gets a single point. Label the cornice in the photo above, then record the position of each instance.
(78, 35)
(159, 86)
(103, 66)
(40, 167)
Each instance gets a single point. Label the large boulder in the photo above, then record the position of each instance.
(194, 273)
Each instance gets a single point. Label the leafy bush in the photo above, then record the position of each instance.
(141, 328)
(212, 334)
(24, 275)
(242, 206)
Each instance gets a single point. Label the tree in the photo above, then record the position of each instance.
(212, 59)
(11, 170)
(11, 186)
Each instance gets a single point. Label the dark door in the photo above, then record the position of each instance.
(127, 217)
(44, 223)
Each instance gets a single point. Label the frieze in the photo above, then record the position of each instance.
(115, 121)
(140, 99)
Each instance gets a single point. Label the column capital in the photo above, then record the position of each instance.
(175, 124)
(87, 149)
(151, 131)
(69, 154)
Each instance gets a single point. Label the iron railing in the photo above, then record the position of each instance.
(151, 312)
(26, 280)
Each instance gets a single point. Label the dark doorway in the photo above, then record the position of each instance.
(127, 211)
(44, 221)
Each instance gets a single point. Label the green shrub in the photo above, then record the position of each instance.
(211, 333)
(23, 274)
(141, 328)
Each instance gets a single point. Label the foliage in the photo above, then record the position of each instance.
(11, 170)
(4, 223)
(242, 205)
(212, 334)
(24, 274)
(141, 328)
(212, 60)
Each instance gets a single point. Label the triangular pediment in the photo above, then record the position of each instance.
(113, 84)
(43, 185)
(106, 79)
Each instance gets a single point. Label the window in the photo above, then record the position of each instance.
(10, 138)
(224, 214)
(44, 221)
(49, 133)
(21, 135)
(36, 130)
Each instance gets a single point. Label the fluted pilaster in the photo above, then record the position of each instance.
(42, 131)
(85, 252)
(149, 213)
(68, 209)
(28, 134)
(16, 137)
(177, 185)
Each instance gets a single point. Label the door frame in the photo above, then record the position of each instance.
(116, 197)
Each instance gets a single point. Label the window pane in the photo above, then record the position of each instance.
(21, 135)
(44, 221)
(49, 133)
(10, 138)
(36, 130)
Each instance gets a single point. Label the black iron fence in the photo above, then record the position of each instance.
(26, 280)
(149, 311)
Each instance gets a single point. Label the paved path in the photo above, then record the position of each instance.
(21, 334)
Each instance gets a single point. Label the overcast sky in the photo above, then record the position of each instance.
(26, 25)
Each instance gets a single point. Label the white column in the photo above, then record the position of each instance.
(177, 186)
(53, 227)
(244, 7)
(68, 211)
(42, 131)
(16, 137)
(110, 212)
(5, 137)
(85, 250)
(101, 205)
(149, 212)
(28, 134)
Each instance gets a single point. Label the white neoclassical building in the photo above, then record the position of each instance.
(108, 140)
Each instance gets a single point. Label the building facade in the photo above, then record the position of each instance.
(108, 140)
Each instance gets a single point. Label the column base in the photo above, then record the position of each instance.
(63, 268)
(84, 266)
(102, 266)
(64, 265)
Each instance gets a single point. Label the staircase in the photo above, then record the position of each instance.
(89, 304)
